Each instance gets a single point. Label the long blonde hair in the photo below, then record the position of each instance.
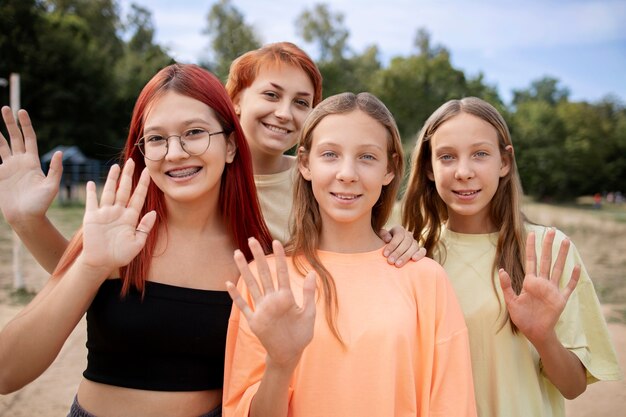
(424, 212)
(306, 224)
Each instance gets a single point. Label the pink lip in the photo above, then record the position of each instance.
(346, 201)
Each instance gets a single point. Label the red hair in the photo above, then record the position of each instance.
(238, 199)
(245, 69)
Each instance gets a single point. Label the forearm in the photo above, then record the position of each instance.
(272, 397)
(562, 367)
(42, 240)
(31, 341)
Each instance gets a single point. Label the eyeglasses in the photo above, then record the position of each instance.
(194, 141)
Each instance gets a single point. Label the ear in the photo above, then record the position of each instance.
(507, 158)
(231, 148)
(390, 175)
(236, 104)
(303, 163)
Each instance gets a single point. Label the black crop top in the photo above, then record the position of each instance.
(172, 340)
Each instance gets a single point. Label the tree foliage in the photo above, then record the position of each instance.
(230, 36)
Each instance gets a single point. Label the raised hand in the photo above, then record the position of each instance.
(536, 310)
(283, 327)
(111, 235)
(25, 191)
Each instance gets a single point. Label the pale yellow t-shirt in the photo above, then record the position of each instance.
(275, 193)
(406, 350)
(507, 376)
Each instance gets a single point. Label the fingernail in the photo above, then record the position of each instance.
(386, 253)
(392, 260)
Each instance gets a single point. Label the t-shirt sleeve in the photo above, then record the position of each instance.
(581, 327)
(452, 391)
(244, 362)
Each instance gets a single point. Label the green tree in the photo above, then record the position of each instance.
(326, 29)
(546, 89)
(230, 37)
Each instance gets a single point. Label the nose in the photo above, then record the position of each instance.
(175, 149)
(347, 171)
(283, 110)
(464, 170)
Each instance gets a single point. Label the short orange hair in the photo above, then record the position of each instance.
(244, 69)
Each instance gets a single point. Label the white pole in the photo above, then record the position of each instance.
(18, 277)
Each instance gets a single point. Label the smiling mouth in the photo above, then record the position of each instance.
(466, 193)
(346, 197)
(276, 129)
(182, 173)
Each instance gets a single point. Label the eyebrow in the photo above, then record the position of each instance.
(299, 93)
(187, 122)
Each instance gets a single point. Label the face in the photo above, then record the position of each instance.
(273, 108)
(347, 166)
(183, 177)
(467, 166)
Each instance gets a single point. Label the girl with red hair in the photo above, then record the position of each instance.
(149, 265)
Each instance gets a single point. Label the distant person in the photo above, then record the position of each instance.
(150, 263)
(597, 201)
(375, 340)
(537, 333)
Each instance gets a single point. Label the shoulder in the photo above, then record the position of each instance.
(540, 234)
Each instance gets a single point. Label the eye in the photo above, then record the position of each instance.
(446, 157)
(154, 139)
(369, 157)
(328, 154)
(194, 133)
(303, 103)
(481, 154)
(272, 95)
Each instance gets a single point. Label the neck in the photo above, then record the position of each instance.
(353, 237)
(473, 225)
(195, 217)
(263, 164)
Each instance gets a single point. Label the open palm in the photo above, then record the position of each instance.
(25, 191)
(111, 235)
(536, 310)
(282, 327)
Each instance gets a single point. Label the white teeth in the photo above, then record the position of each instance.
(180, 173)
(346, 196)
(466, 193)
(276, 128)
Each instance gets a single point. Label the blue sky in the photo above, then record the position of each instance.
(582, 43)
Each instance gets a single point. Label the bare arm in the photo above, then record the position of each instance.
(536, 310)
(33, 339)
(26, 193)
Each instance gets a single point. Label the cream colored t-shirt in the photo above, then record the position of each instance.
(275, 193)
(507, 375)
(406, 352)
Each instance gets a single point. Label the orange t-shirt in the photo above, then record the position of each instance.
(406, 347)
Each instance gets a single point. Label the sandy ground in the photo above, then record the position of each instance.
(52, 393)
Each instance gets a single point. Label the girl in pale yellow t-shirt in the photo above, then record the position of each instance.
(536, 336)
(376, 340)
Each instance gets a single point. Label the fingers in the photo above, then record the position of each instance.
(238, 300)
(559, 265)
(125, 184)
(282, 271)
(55, 171)
(507, 288)
(145, 226)
(246, 275)
(141, 190)
(108, 192)
(5, 151)
(573, 281)
(546, 254)
(30, 138)
(263, 269)
(421, 253)
(531, 255)
(385, 236)
(15, 134)
(91, 198)
(400, 243)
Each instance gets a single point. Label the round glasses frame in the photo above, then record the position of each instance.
(141, 142)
